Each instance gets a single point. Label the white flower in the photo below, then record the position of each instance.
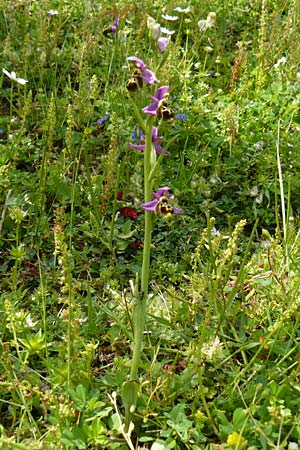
(52, 12)
(209, 22)
(12, 76)
(280, 62)
(213, 349)
(211, 19)
(157, 446)
(166, 31)
(182, 10)
(153, 27)
(170, 18)
(28, 322)
(202, 25)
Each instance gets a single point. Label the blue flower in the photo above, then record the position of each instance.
(102, 120)
(181, 117)
(137, 136)
(155, 140)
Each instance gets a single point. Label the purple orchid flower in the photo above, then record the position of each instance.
(148, 76)
(161, 206)
(155, 140)
(158, 98)
(115, 25)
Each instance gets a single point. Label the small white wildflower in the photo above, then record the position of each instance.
(166, 31)
(293, 446)
(259, 145)
(215, 232)
(280, 62)
(170, 18)
(28, 322)
(202, 25)
(209, 22)
(182, 10)
(212, 349)
(52, 12)
(254, 191)
(153, 27)
(12, 76)
(259, 198)
(265, 244)
(211, 19)
(81, 320)
(157, 446)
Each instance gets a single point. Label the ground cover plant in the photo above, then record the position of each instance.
(149, 225)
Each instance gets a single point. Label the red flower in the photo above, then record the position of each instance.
(136, 245)
(120, 195)
(127, 211)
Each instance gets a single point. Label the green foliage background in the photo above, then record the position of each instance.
(220, 362)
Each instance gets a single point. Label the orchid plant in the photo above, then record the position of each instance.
(156, 203)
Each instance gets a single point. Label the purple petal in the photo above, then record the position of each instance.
(149, 77)
(177, 211)
(159, 149)
(161, 92)
(155, 138)
(137, 147)
(161, 192)
(115, 25)
(162, 43)
(149, 206)
(138, 62)
(150, 109)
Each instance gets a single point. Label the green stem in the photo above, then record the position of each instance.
(140, 301)
(155, 167)
(148, 216)
(139, 323)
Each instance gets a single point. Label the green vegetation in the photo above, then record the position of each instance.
(219, 366)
